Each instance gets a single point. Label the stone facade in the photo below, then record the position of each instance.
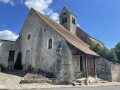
(67, 18)
(63, 59)
(5, 48)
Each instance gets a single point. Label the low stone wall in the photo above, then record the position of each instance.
(115, 71)
(26, 81)
(107, 70)
(103, 68)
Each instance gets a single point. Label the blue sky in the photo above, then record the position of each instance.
(99, 18)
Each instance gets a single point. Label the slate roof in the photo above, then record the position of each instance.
(70, 37)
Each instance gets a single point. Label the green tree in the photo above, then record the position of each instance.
(117, 51)
(104, 52)
(18, 63)
(95, 47)
(112, 56)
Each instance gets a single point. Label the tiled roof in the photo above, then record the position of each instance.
(70, 37)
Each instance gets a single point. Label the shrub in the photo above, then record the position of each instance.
(30, 69)
(18, 63)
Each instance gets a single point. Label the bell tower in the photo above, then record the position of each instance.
(68, 20)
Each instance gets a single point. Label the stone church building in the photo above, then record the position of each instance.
(62, 49)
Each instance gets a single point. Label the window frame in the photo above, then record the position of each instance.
(73, 20)
(50, 46)
(28, 36)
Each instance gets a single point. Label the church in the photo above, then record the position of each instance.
(60, 48)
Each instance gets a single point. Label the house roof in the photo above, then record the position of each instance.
(70, 37)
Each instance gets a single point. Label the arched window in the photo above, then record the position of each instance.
(28, 37)
(50, 44)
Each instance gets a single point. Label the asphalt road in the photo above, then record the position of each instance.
(85, 88)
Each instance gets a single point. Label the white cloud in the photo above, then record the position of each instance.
(8, 2)
(54, 16)
(8, 35)
(78, 25)
(43, 7)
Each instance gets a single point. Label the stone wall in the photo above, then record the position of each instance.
(56, 60)
(103, 68)
(5, 47)
(115, 70)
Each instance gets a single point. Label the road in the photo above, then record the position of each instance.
(85, 88)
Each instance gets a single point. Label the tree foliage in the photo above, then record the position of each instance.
(104, 52)
(18, 63)
(117, 51)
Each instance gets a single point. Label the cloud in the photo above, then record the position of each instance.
(8, 35)
(78, 25)
(8, 2)
(54, 16)
(43, 7)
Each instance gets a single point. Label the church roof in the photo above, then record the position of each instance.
(70, 37)
(86, 34)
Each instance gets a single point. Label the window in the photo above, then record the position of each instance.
(64, 12)
(73, 20)
(50, 44)
(66, 20)
(63, 21)
(28, 37)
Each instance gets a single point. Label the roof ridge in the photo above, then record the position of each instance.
(62, 27)
(69, 36)
(89, 35)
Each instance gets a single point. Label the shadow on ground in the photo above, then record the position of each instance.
(15, 72)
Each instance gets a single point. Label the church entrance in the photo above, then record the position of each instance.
(27, 58)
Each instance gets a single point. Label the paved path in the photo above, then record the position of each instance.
(85, 88)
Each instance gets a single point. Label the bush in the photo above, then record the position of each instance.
(18, 63)
(29, 69)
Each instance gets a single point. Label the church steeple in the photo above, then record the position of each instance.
(68, 20)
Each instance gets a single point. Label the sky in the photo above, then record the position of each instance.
(99, 18)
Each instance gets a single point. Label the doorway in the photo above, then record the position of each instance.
(11, 56)
(27, 58)
(11, 59)
(81, 63)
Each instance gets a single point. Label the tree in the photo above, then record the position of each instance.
(104, 52)
(112, 56)
(117, 51)
(18, 63)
